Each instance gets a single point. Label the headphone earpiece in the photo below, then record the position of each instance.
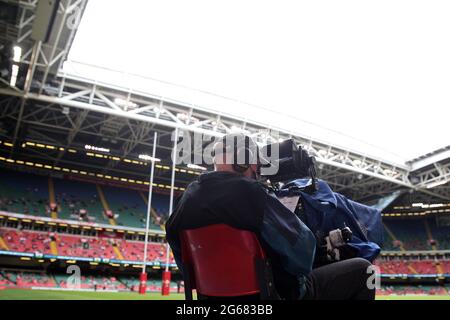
(242, 154)
(245, 154)
(242, 150)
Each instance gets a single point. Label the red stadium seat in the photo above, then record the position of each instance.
(221, 261)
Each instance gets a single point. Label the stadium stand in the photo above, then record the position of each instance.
(410, 267)
(134, 250)
(29, 279)
(414, 290)
(410, 234)
(446, 266)
(82, 246)
(29, 241)
(93, 282)
(16, 278)
(128, 205)
(32, 194)
(160, 204)
(23, 279)
(415, 234)
(439, 233)
(23, 193)
(73, 196)
(393, 267)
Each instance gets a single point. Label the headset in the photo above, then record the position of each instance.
(241, 151)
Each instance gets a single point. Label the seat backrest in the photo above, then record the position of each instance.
(223, 260)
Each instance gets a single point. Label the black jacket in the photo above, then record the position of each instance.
(243, 203)
(218, 197)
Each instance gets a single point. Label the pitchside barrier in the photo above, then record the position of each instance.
(36, 255)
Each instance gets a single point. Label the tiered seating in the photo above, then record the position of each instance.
(418, 290)
(128, 205)
(72, 196)
(26, 241)
(82, 246)
(27, 193)
(29, 279)
(441, 234)
(5, 280)
(413, 236)
(408, 267)
(445, 266)
(24, 279)
(134, 250)
(160, 203)
(393, 267)
(93, 282)
(23, 193)
(78, 246)
(424, 267)
(12, 276)
(388, 243)
(411, 232)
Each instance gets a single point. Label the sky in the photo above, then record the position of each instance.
(371, 76)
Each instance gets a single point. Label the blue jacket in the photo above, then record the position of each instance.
(326, 210)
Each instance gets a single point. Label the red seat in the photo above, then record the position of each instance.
(221, 261)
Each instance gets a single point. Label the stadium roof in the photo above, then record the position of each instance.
(64, 111)
(317, 69)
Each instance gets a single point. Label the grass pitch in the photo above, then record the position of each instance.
(414, 297)
(19, 294)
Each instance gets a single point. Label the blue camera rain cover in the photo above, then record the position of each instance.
(326, 210)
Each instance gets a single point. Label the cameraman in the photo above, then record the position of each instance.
(232, 195)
